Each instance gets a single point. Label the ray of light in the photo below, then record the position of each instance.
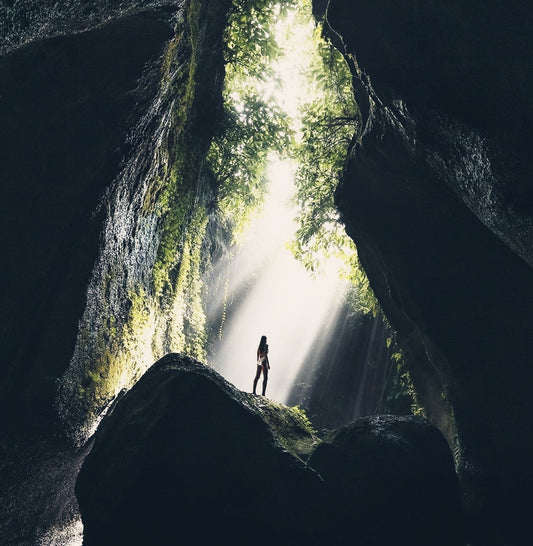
(283, 301)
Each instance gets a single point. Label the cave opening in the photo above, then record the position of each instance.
(147, 294)
(293, 274)
(175, 214)
(270, 292)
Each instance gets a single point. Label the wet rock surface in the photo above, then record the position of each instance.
(67, 106)
(436, 194)
(37, 501)
(186, 456)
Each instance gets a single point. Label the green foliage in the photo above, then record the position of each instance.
(329, 121)
(401, 395)
(252, 129)
(250, 42)
(290, 425)
(361, 296)
(300, 415)
(253, 125)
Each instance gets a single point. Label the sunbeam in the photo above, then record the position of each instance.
(269, 292)
(281, 299)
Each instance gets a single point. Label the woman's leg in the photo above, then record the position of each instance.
(265, 378)
(257, 374)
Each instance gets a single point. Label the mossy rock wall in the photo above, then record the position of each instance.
(105, 204)
(68, 104)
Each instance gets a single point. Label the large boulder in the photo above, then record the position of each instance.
(186, 457)
(391, 480)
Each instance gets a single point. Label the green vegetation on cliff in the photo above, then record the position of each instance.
(133, 319)
(328, 121)
(317, 136)
(145, 298)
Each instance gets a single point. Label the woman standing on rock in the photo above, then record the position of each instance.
(263, 365)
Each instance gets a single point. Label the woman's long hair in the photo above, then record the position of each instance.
(262, 344)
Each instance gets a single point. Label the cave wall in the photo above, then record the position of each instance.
(65, 108)
(107, 111)
(436, 194)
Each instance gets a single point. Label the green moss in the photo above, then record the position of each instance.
(176, 190)
(175, 195)
(116, 362)
(98, 384)
(127, 325)
(170, 56)
(170, 248)
(290, 426)
(187, 331)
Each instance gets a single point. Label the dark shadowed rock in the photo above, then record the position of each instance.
(437, 195)
(186, 457)
(391, 480)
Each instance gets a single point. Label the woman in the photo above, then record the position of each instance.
(263, 365)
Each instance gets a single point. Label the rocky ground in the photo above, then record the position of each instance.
(37, 501)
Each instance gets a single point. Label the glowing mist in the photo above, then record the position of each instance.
(280, 298)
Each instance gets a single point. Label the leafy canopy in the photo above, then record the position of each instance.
(328, 122)
(253, 125)
(317, 137)
(250, 41)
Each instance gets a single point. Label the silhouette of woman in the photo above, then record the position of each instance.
(263, 365)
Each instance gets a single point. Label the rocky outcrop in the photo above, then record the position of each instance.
(27, 21)
(184, 456)
(107, 113)
(436, 195)
(67, 105)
